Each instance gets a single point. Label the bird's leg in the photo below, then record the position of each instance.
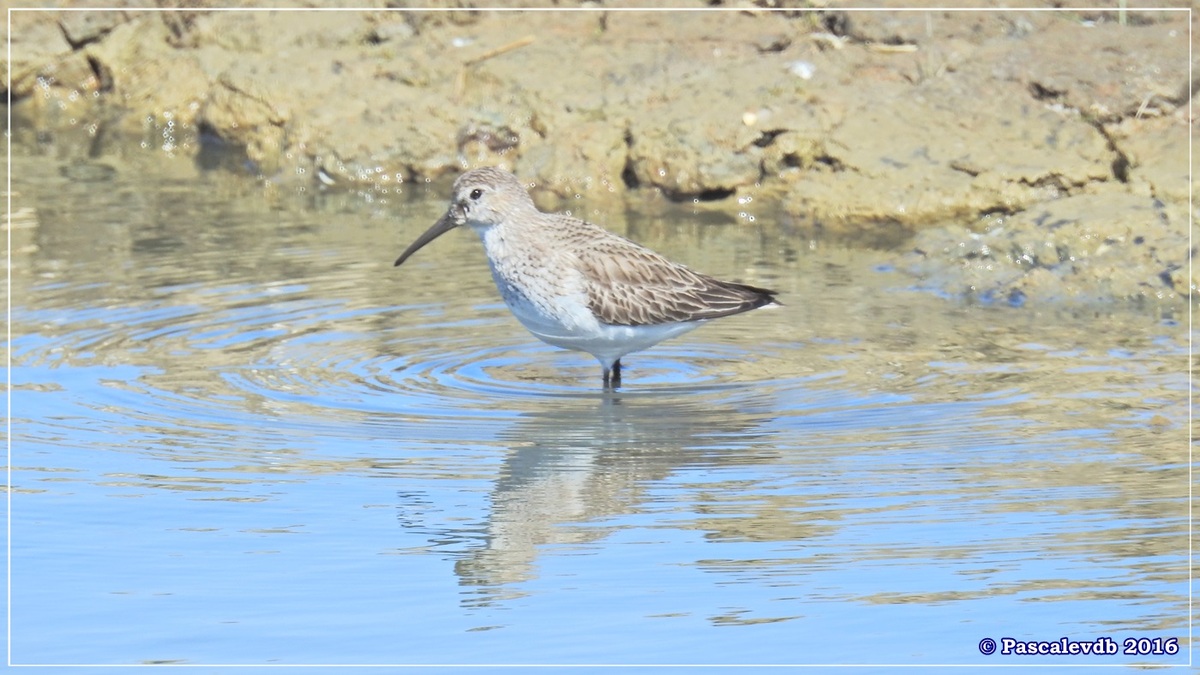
(612, 375)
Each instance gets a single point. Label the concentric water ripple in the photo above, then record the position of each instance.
(244, 360)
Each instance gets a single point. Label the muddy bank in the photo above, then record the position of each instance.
(1016, 155)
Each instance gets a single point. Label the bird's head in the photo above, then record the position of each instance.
(483, 198)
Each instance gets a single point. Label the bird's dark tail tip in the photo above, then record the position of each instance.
(760, 297)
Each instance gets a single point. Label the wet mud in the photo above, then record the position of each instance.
(1005, 155)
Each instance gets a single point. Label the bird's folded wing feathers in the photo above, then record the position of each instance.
(630, 285)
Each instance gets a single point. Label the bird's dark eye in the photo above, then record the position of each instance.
(476, 194)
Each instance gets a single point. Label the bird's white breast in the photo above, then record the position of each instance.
(547, 297)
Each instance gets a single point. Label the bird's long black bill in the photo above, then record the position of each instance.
(442, 226)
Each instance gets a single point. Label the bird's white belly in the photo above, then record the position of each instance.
(564, 320)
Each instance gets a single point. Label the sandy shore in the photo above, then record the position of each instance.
(1009, 155)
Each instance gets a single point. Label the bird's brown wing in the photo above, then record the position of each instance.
(630, 285)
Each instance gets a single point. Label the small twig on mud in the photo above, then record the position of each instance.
(499, 50)
(1142, 108)
(460, 84)
(823, 39)
(891, 49)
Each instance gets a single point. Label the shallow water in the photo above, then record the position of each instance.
(240, 436)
